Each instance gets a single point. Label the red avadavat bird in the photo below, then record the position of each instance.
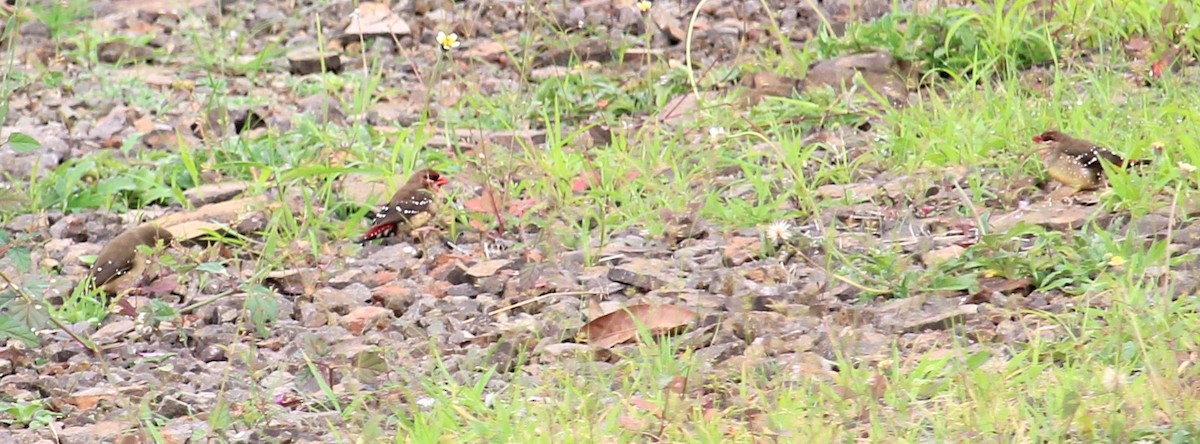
(120, 264)
(412, 206)
(1076, 162)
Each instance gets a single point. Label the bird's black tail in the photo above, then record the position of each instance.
(1136, 162)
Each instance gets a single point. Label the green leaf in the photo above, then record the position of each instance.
(21, 258)
(12, 200)
(263, 307)
(212, 268)
(977, 360)
(28, 315)
(368, 366)
(116, 185)
(1070, 405)
(22, 143)
(10, 327)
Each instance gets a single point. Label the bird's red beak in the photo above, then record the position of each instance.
(441, 182)
(1037, 139)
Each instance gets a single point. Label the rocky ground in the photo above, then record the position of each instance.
(267, 323)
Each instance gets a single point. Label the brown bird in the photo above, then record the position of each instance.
(1076, 162)
(412, 206)
(120, 264)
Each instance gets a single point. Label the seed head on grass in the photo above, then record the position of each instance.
(1112, 379)
(779, 232)
(1187, 168)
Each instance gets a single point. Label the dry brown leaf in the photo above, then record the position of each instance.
(215, 192)
(487, 268)
(163, 287)
(172, 7)
(939, 256)
(374, 19)
(682, 108)
(225, 212)
(647, 406)
(621, 326)
(489, 50)
(879, 384)
(358, 189)
(593, 309)
(194, 229)
(584, 181)
(143, 125)
(1005, 285)
(632, 423)
(1053, 216)
(88, 398)
(487, 202)
(533, 256)
(517, 208)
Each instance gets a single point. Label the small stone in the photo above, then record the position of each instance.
(462, 290)
(394, 297)
(345, 278)
(323, 108)
(942, 255)
(73, 227)
(304, 61)
(342, 301)
(294, 282)
(118, 51)
(170, 407)
(113, 332)
(645, 274)
(556, 352)
(742, 249)
(941, 321)
(364, 318)
(28, 223)
(312, 316)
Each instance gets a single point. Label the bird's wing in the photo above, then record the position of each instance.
(402, 207)
(1089, 154)
(110, 265)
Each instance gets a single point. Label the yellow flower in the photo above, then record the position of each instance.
(447, 41)
(643, 5)
(990, 273)
(1116, 261)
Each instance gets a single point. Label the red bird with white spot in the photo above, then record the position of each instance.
(412, 206)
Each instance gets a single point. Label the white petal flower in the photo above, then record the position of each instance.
(448, 41)
(779, 231)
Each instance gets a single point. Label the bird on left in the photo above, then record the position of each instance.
(121, 264)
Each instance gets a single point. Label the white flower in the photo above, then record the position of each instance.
(643, 5)
(448, 41)
(1112, 379)
(426, 402)
(716, 133)
(779, 231)
(1187, 168)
